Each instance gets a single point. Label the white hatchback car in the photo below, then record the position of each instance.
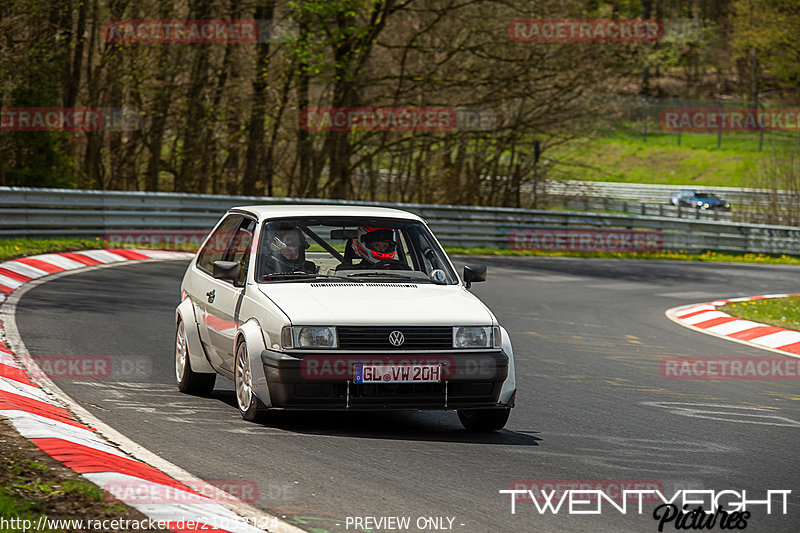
(340, 308)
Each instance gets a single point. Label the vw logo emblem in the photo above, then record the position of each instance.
(396, 338)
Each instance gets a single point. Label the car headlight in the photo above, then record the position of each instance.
(309, 337)
(476, 337)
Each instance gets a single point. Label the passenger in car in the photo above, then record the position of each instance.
(287, 252)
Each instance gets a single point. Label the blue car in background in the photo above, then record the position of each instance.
(699, 200)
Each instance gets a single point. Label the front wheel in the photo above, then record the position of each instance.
(189, 381)
(249, 405)
(484, 419)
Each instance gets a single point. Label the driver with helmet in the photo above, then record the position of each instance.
(287, 252)
(374, 245)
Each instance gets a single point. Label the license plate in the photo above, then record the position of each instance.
(397, 373)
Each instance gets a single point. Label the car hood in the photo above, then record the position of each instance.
(377, 304)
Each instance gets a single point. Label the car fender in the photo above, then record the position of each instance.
(253, 336)
(509, 389)
(197, 356)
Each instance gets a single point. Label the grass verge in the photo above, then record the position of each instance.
(707, 256)
(13, 248)
(34, 487)
(10, 249)
(781, 312)
(624, 155)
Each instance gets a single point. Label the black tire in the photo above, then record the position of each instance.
(484, 419)
(189, 381)
(250, 407)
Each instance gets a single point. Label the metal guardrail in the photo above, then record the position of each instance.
(646, 209)
(29, 212)
(660, 194)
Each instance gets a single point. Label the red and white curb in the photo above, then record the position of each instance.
(40, 412)
(706, 318)
(19, 271)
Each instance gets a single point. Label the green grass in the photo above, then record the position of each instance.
(25, 247)
(25, 500)
(12, 505)
(12, 248)
(706, 257)
(634, 161)
(732, 142)
(623, 155)
(28, 464)
(782, 312)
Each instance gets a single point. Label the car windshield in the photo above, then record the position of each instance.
(352, 249)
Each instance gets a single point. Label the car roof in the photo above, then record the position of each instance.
(266, 212)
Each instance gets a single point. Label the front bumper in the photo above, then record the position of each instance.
(325, 381)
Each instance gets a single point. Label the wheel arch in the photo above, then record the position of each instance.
(197, 355)
(253, 336)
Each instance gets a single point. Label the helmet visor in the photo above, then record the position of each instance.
(380, 240)
(382, 246)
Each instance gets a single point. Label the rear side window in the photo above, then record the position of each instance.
(218, 242)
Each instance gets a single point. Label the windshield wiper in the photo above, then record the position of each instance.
(387, 275)
(299, 274)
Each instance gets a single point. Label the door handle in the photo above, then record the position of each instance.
(211, 294)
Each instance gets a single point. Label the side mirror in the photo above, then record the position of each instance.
(227, 270)
(474, 274)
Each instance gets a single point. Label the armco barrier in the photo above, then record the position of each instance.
(658, 193)
(29, 212)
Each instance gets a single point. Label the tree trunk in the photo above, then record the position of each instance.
(258, 108)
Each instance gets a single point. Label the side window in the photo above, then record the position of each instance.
(241, 246)
(217, 244)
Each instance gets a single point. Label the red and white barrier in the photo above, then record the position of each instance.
(51, 426)
(706, 318)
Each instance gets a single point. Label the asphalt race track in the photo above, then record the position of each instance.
(592, 405)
